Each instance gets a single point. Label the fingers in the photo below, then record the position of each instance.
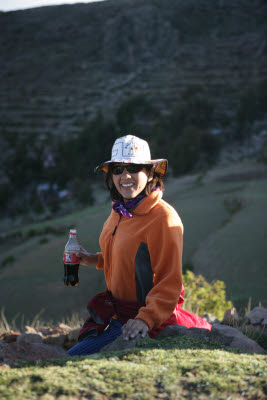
(83, 257)
(134, 326)
(81, 252)
(127, 329)
(137, 326)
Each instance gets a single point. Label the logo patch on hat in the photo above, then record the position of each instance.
(131, 148)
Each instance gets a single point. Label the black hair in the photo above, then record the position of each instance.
(156, 182)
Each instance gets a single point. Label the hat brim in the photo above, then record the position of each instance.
(161, 165)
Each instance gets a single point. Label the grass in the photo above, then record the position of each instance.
(258, 335)
(233, 252)
(169, 369)
(18, 323)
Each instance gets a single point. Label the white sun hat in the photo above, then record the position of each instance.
(133, 150)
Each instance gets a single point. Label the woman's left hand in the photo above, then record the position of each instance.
(132, 327)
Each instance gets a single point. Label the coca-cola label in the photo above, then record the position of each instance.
(70, 258)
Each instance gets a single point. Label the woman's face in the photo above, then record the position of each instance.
(131, 184)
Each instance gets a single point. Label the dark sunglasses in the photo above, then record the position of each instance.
(132, 169)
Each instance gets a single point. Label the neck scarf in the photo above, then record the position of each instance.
(124, 208)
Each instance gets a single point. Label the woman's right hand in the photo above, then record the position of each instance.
(87, 258)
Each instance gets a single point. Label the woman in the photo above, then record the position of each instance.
(141, 254)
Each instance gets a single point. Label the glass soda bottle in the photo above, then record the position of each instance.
(71, 261)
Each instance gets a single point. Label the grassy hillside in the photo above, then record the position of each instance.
(175, 368)
(226, 229)
(223, 213)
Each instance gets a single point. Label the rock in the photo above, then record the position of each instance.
(233, 338)
(199, 333)
(47, 330)
(9, 337)
(173, 330)
(62, 329)
(3, 345)
(56, 340)
(29, 329)
(121, 344)
(223, 334)
(231, 317)
(72, 338)
(257, 315)
(73, 334)
(4, 366)
(12, 352)
(179, 330)
(30, 338)
(211, 319)
(264, 322)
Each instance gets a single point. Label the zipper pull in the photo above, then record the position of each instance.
(116, 227)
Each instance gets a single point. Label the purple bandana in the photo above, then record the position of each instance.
(124, 208)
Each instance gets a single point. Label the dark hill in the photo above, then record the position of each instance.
(61, 64)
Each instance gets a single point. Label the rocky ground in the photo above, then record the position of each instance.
(34, 345)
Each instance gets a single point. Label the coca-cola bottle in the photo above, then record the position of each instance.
(71, 261)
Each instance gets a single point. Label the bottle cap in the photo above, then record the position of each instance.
(73, 232)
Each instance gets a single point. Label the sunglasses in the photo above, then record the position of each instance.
(132, 169)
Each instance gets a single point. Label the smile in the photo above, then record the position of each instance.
(127, 184)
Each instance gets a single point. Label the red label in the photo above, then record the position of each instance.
(71, 258)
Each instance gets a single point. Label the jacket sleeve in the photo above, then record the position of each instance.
(165, 244)
(100, 261)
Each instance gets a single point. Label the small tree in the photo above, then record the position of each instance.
(134, 110)
(252, 106)
(185, 151)
(210, 146)
(202, 297)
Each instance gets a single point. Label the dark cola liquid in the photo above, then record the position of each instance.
(71, 276)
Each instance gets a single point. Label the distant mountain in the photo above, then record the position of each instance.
(61, 64)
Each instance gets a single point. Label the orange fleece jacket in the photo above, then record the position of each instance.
(156, 225)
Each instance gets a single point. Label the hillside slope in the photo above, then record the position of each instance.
(224, 238)
(62, 64)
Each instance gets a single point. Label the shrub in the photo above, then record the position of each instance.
(185, 151)
(31, 233)
(195, 108)
(252, 106)
(263, 153)
(210, 146)
(4, 194)
(43, 240)
(188, 129)
(134, 109)
(233, 205)
(201, 296)
(82, 192)
(8, 260)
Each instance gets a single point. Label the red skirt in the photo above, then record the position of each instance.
(104, 306)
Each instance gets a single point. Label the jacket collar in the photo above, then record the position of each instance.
(148, 203)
